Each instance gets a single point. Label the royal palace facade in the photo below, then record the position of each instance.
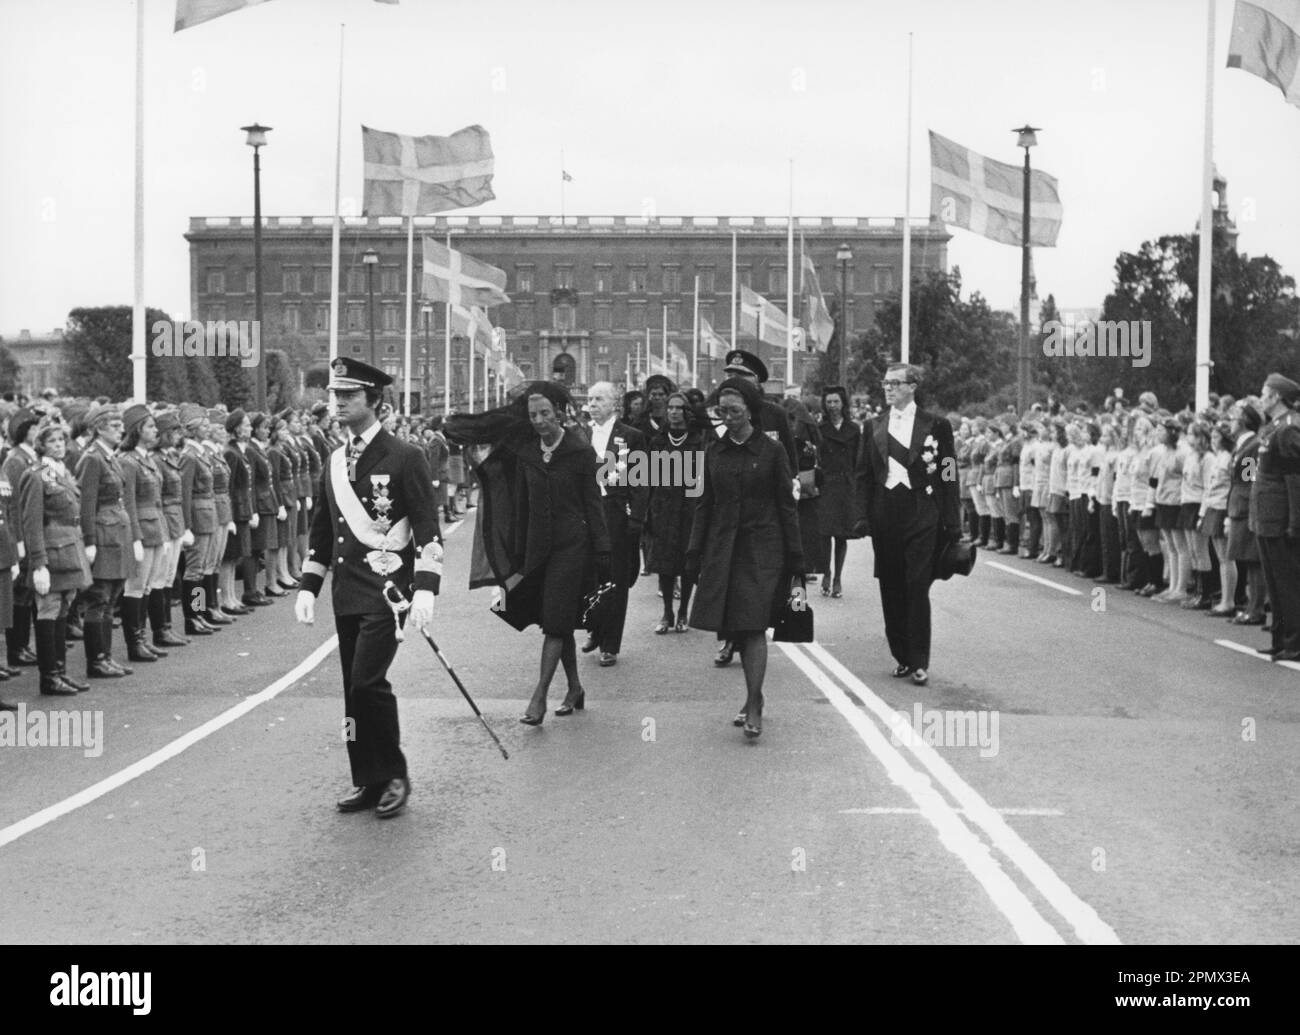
(584, 290)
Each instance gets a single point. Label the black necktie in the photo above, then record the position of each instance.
(354, 454)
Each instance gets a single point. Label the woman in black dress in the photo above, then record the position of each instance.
(672, 510)
(841, 440)
(541, 525)
(808, 443)
(745, 540)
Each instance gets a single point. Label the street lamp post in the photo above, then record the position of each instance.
(1026, 139)
(371, 259)
(426, 393)
(844, 256)
(256, 139)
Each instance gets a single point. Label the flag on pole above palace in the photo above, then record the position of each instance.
(820, 324)
(987, 197)
(1266, 42)
(417, 176)
(714, 345)
(472, 323)
(762, 319)
(452, 276)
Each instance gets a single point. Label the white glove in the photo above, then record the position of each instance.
(22, 551)
(187, 538)
(281, 514)
(1015, 492)
(796, 490)
(41, 580)
(309, 503)
(231, 528)
(436, 484)
(422, 608)
(304, 608)
(91, 550)
(254, 521)
(13, 572)
(137, 548)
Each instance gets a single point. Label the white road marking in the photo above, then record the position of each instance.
(1241, 648)
(881, 810)
(1034, 578)
(1082, 917)
(1029, 925)
(111, 783)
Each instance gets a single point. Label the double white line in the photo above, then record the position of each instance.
(955, 827)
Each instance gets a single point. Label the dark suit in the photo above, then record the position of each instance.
(1275, 513)
(909, 527)
(625, 512)
(397, 472)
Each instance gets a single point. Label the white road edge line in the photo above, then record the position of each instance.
(1029, 925)
(111, 783)
(882, 810)
(1251, 652)
(1034, 578)
(1087, 924)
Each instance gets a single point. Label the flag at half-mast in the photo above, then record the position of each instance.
(418, 176)
(820, 324)
(472, 323)
(195, 12)
(1266, 42)
(452, 276)
(987, 197)
(714, 344)
(762, 319)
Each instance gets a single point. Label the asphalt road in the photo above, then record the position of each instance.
(1141, 786)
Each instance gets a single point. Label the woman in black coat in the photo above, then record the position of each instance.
(541, 525)
(841, 440)
(808, 442)
(745, 540)
(671, 508)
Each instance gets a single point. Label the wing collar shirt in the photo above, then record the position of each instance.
(600, 434)
(900, 429)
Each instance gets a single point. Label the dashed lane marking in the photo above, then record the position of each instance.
(1034, 578)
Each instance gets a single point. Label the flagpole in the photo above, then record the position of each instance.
(695, 337)
(410, 270)
(789, 287)
(446, 364)
(469, 377)
(664, 342)
(1206, 256)
(735, 295)
(137, 307)
(906, 340)
(561, 186)
(487, 402)
(338, 217)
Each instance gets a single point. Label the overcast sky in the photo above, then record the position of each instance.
(692, 106)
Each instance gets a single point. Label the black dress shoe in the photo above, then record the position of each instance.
(139, 652)
(10, 671)
(393, 800)
(101, 668)
(361, 798)
(235, 610)
(22, 657)
(255, 600)
(1245, 619)
(271, 591)
(216, 619)
(75, 631)
(164, 637)
(903, 671)
(591, 644)
(1270, 650)
(114, 663)
(1287, 655)
(725, 653)
(920, 676)
(607, 659)
(194, 628)
(52, 685)
(76, 684)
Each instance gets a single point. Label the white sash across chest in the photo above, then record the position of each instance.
(363, 526)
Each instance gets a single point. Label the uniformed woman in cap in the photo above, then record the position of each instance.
(50, 503)
(22, 457)
(106, 531)
(266, 498)
(199, 511)
(309, 463)
(239, 547)
(167, 458)
(223, 598)
(745, 541)
(284, 472)
(142, 494)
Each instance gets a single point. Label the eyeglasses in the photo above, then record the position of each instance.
(894, 384)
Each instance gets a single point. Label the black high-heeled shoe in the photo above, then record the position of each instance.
(754, 726)
(533, 720)
(725, 653)
(568, 709)
(741, 718)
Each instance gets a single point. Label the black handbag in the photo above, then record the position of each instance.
(794, 624)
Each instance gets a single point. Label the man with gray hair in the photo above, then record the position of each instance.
(625, 510)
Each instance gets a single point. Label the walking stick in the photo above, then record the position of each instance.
(399, 604)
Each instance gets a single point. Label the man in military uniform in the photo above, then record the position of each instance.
(1275, 510)
(377, 522)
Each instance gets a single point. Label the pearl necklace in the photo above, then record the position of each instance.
(548, 450)
(675, 442)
